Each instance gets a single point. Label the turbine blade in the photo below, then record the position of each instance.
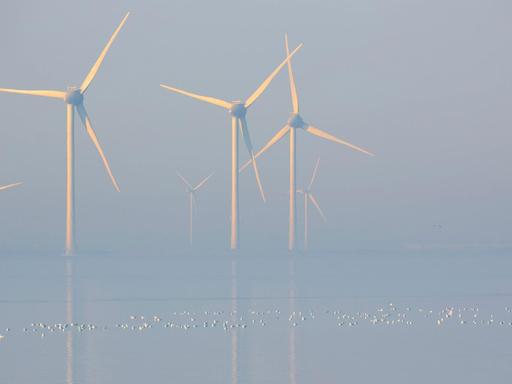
(328, 136)
(268, 80)
(88, 127)
(278, 136)
(46, 93)
(203, 181)
(207, 99)
(317, 206)
(248, 144)
(314, 174)
(8, 186)
(184, 181)
(94, 70)
(293, 88)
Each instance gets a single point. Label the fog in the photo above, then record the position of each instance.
(424, 85)
(408, 278)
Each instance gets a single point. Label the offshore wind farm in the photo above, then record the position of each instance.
(294, 123)
(238, 109)
(372, 243)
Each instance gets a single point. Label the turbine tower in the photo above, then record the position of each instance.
(308, 197)
(192, 199)
(238, 110)
(9, 186)
(74, 99)
(296, 123)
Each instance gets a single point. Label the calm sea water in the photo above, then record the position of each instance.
(258, 318)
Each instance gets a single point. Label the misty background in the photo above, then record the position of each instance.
(424, 85)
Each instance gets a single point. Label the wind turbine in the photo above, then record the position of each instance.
(296, 123)
(309, 197)
(9, 186)
(238, 110)
(192, 198)
(74, 99)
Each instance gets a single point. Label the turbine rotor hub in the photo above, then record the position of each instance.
(238, 110)
(73, 96)
(296, 121)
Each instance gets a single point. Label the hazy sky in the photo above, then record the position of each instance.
(426, 85)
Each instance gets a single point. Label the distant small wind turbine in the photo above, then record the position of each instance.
(74, 99)
(9, 186)
(238, 110)
(192, 199)
(309, 197)
(295, 122)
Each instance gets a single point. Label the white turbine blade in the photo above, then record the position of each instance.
(207, 99)
(293, 88)
(88, 127)
(8, 186)
(248, 144)
(278, 136)
(268, 80)
(314, 174)
(92, 73)
(46, 93)
(184, 181)
(328, 136)
(317, 206)
(203, 181)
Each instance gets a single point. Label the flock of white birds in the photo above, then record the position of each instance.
(384, 316)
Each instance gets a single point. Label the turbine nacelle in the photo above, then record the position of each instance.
(295, 121)
(238, 109)
(74, 96)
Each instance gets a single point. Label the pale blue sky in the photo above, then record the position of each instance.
(425, 85)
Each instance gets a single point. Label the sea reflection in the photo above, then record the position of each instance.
(234, 315)
(237, 320)
(69, 320)
(292, 374)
